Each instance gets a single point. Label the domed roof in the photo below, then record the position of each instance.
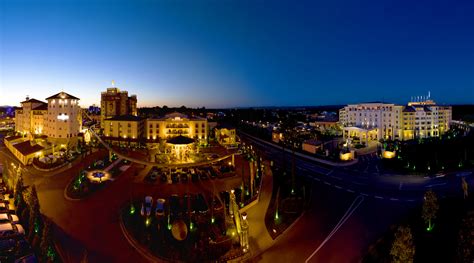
(180, 140)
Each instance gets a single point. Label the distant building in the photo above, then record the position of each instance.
(115, 102)
(45, 126)
(124, 129)
(130, 128)
(375, 121)
(30, 117)
(175, 124)
(277, 137)
(60, 119)
(64, 119)
(225, 135)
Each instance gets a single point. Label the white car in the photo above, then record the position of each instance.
(6, 229)
(146, 206)
(160, 207)
(14, 219)
(20, 229)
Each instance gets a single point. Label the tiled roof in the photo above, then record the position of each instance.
(12, 138)
(313, 142)
(32, 101)
(62, 95)
(27, 148)
(43, 106)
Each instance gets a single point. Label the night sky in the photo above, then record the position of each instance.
(238, 53)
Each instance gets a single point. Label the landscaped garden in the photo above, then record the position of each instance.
(96, 176)
(432, 155)
(183, 228)
(289, 198)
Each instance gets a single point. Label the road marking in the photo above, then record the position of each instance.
(330, 172)
(350, 191)
(394, 199)
(353, 207)
(411, 200)
(326, 183)
(378, 197)
(337, 186)
(431, 185)
(317, 179)
(400, 186)
(364, 194)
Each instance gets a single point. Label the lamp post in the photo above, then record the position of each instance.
(244, 234)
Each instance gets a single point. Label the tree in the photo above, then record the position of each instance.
(430, 208)
(465, 248)
(47, 246)
(19, 190)
(35, 215)
(403, 249)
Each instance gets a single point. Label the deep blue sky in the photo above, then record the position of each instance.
(238, 53)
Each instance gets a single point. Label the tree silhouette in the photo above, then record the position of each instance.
(465, 248)
(34, 217)
(47, 245)
(403, 249)
(19, 187)
(430, 208)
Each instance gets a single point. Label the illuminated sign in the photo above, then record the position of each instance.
(63, 117)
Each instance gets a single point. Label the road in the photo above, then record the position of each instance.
(387, 199)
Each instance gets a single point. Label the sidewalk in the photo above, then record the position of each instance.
(259, 239)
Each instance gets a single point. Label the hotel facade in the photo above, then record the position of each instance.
(121, 125)
(59, 119)
(44, 126)
(115, 102)
(421, 118)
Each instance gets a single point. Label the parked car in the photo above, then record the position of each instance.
(184, 178)
(216, 204)
(3, 207)
(174, 178)
(146, 206)
(20, 229)
(153, 177)
(6, 229)
(160, 207)
(194, 177)
(4, 218)
(174, 205)
(14, 219)
(201, 204)
(163, 178)
(188, 201)
(203, 175)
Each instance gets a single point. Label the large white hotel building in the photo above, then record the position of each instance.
(420, 118)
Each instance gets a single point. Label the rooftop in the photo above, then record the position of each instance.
(180, 140)
(26, 148)
(62, 95)
(125, 118)
(32, 101)
(313, 142)
(12, 138)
